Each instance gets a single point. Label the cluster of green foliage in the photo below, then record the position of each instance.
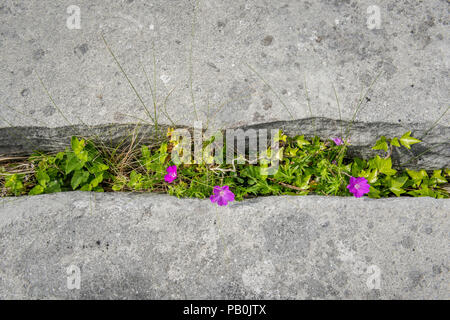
(80, 168)
(307, 166)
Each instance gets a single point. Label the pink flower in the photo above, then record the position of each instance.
(222, 195)
(338, 141)
(358, 186)
(171, 174)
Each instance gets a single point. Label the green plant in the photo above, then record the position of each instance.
(307, 166)
(80, 168)
(14, 184)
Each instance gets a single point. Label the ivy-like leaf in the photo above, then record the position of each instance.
(53, 186)
(97, 180)
(381, 144)
(437, 177)
(77, 145)
(73, 163)
(374, 193)
(395, 142)
(279, 136)
(383, 165)
(42, 178)
(79, 177)
(38, 189)
(417, 176)
(397, 184)
(406, 140)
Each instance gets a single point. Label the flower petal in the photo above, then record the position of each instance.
(229, 196)
(222, 201)
(168, 178)
(361, 181)
(358, 194)
(217, 190)
(172, 169)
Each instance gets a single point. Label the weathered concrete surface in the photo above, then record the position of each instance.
(432, 153)
(327, 42)
(156, 246)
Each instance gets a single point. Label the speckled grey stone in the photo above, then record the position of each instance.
(147, 246)
(285, 42)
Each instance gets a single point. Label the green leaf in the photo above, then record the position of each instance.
(77, 145)
(291, 152)
(36, 190)
(83, 156)
(86, 187)
(60, 155)
(163, 153)
(406, 140)
(357, 165)
(395, 142)
(374, 193)
(52, 187)
(96, 181)
(417, 176)
(14, 183)
(163, 148)
(135, 180)
(437, 174)
(279, 136)
(98, 167)
(42, 178)
(301, 141)
(303, 183)
(383, 165)
(397, 191)
(397, 184)
(372, 177)
(117, 187)
(381, 144)
(423, 192)
(73, 163)
(78, 149)
(79, 177)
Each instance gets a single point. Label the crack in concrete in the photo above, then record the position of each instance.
(432, 153)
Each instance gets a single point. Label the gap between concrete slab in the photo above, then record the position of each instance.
(432, 153)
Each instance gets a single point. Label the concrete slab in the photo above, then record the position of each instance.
(284, 42)
(156, 246)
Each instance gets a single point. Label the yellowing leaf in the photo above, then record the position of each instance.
(381, 144)
(395, 142)
(406, 140)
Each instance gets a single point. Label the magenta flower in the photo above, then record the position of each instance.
(358, 186)
(222, 195)
(338, 141)
(171, 174)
